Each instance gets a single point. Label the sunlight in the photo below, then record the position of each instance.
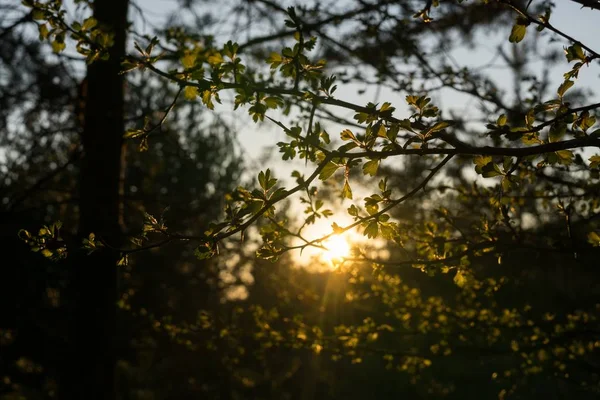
(337, 249)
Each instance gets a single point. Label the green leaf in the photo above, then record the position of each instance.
(288, 150)
(575, 52)
(337, 229)
(347, 147)
(480, 161)
(490, 170)
(205, 251)
(370, 167)
(530, 118)
(502, 120)
(506, 184)
(133, 133)
(372, 230)
(278, 194)
(387, 230)
(392, 132)
(439, 126)
(273, 102)
(275, 60)
(190, 92)
(353, 211)
(565, 157)
(267, 253)
(548, 106)
(566, 85)
(347, 135)
(262, 179)
(531, 139)
(371, 207)
(518, 33)
(328, 170)
(380, 130)
(347, 191)
(215, 59)
(594, 161)
(127, 66)
(188, 60)
(89, 23)
(43, 29)
(58, 46)
(207, 100)
(38, 15)
(265, 180)
(594, 239)
(257, 194)
(507, 163)
(385, 106)
(557, 131)
(46, 253)
(460, 279)
(585, 121)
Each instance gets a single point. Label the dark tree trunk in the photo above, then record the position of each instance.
(91, 358)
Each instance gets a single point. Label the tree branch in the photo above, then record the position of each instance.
(593, 4)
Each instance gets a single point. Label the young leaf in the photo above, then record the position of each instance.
(189, 60)
(566, 85)
(89, 23)
(383, 184)
(501, 120)
(190, 92)
(518, 31)
(370, 167)
(347, 191)
(372, 230)
(347, 135)
(328, 170)
(262, 179)
(557, 131)
(337, 229)
(565, 157)
(490, 170)
(594, 239)
(58, 46)
(439, 126)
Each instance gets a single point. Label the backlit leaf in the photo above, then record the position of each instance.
(328, 170)
(370, 167)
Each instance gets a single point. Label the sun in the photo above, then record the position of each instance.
(338, 248)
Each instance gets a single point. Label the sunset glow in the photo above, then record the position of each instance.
(338, 248)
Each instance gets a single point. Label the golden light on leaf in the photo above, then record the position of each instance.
(337, 247)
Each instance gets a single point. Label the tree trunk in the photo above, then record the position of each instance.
(91, 358)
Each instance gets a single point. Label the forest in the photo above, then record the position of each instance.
(299, 199)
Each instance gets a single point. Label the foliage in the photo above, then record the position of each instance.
(485, 215)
